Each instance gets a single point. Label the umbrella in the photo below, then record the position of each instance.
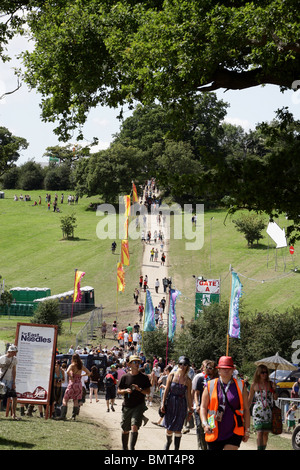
(276, 362)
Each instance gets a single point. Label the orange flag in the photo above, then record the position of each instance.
(125, 253)
(120, 278)
(127, 205)
(134, 194)
(126, 227)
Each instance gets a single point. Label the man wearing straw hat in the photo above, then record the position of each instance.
(134, 386)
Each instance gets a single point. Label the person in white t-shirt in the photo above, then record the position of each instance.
(8, 364)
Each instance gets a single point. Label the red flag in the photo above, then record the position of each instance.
(134, 194)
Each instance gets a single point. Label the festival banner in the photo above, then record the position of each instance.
(172, 313)
(120, 278)
(125, 253)
(126, 227)
(127, 205)
(149, 322)
(134, 194)
(77, 293)
(234, 325)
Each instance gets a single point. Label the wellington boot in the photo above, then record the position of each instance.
(63, 413)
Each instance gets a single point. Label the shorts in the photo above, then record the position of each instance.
(132, 416)
(110, 393)
(93, 385)
(234, 440)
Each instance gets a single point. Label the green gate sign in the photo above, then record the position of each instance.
(207, 293)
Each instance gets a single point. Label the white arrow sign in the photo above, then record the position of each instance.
(277, 234)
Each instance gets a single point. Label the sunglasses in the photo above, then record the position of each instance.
(183, 364)
(135, 362)
(264, 372)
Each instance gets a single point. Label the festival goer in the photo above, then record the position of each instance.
(178, 395)
(74, 389)
(264, 393)
(208, 372)
(134, 386)
(8, 363)
(94, 383)
(224, 409)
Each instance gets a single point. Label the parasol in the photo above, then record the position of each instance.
(276, 362)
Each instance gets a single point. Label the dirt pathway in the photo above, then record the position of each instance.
(151, 437)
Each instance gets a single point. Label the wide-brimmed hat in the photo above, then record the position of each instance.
(225, 362)
(134, 358)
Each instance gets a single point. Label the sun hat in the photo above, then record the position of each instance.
(134, 358)
(225, 362)
(12, 348)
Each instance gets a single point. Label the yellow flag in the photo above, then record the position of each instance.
(120, 278)
(127, 205)
(125, 253)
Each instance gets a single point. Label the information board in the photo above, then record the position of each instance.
(36, 356)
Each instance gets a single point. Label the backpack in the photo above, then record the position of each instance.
(109, 381)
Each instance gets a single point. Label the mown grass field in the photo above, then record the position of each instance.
(268, 283)
(34, 253)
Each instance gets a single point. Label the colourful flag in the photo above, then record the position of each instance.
(77, 294)
(120, 278)
(126, 227)
(134, 194)
(125, 253)
(172, 313)
(234, 326)
(149, 322)
(127, 205)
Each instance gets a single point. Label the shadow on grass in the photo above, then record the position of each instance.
(15, 444)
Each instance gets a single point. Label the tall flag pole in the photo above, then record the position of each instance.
(234, 325)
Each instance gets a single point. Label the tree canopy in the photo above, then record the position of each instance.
(111, 52)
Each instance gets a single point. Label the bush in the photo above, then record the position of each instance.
(48, 313)
(251, 225)
(68, 225)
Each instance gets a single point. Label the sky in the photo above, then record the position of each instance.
(20, 111)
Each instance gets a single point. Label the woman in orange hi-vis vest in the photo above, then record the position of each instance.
(224, 410)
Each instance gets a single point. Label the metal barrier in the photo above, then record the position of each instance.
(86, 334)
(284, 404)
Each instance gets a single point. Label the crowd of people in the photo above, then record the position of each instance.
(214, 398)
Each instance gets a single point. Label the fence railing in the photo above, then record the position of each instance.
(86, 335)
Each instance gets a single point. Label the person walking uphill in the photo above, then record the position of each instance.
(178, 396)
(134, 386)
(74, 389)
(224, 410)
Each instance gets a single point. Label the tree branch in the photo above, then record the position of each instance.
(13, 91)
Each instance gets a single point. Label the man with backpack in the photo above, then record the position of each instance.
(110, 383)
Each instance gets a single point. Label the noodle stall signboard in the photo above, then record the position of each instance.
(36, 356)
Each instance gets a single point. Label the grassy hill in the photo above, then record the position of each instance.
(33, 254)
(269, 281)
